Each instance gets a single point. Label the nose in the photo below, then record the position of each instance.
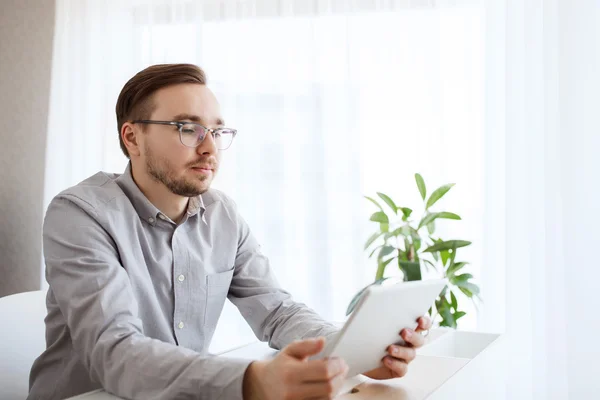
(208, 145)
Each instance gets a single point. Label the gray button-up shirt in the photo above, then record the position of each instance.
(134, 298)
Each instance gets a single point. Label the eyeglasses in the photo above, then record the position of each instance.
(192, 134)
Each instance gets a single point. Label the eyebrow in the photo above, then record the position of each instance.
(195, 118)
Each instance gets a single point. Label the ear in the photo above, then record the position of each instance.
(130, 136)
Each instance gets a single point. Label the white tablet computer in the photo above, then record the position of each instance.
(377, 320)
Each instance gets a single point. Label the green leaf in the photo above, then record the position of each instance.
(439, 303)
(452, 255)
(397, 232)
(411, 270)
(374, 250)
(385, 250)
(438, 194)
(406, 213)
(443, 293)
(459, 314)
(454, 301)
(414, 233)
(427, 219)
(402, 255)
(388, 201)
(417, 244)
(448, 215)
(431, 227)
(444, 310)
(381, 268)
(372, 239)
(421, 185)
(391, 234)
(447, 245)
(355, 301)
(445, 255)
(435, 255)
(374, 202)
(468, 288)
(430, 217)
(380, 216)
(461, 278)
(430, 263)
(389, 260)
(454, 267)
(384, 227)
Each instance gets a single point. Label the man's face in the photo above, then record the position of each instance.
(185, 171)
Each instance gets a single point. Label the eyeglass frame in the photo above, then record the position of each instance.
(180, 124)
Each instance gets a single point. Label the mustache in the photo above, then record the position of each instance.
(209, 162)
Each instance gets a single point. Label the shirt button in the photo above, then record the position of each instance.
(151, 220)
(180, 325)
(181, 278)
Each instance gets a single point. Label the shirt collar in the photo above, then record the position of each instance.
(148, 211)
(195, 205)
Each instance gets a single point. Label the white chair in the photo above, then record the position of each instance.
(22, 340)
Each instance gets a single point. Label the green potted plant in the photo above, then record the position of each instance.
(411, 244)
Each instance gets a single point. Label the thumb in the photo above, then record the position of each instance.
(305, 348)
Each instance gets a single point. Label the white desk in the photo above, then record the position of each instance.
(451, 365)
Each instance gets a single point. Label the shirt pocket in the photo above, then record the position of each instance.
(217, 287)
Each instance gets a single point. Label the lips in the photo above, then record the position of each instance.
(203, 170)
(205, 164)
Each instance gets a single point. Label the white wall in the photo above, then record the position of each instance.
(26, 34)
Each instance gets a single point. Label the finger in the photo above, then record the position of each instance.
(325, 390)
(413, 338)
(397, 367)
(402, 352)
(321, 370)
(304, 348)
(424, 323)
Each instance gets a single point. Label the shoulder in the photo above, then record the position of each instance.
(220, 206)
(215, 196)
(92, 194)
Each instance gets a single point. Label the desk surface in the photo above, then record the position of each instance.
(452, 365)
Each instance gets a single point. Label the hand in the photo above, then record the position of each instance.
(290, 375)
(395, 364)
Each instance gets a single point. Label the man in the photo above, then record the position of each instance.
(140, 264)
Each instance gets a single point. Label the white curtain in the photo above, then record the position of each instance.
(541, 276)
(333, 100)
(338, 99)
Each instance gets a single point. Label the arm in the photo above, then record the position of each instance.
(270, 311)
(95, 296)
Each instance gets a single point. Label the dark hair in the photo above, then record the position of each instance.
(135, 99)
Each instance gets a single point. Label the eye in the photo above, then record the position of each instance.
(188, 129)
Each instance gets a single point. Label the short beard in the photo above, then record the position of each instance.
(160, 171)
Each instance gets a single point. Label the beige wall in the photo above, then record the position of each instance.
(26, 33)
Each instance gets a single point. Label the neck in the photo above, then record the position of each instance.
(169, 203)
